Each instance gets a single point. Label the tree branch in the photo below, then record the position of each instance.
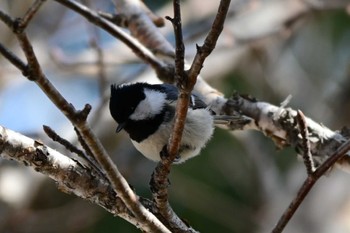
(306, 150)
(23, 22)
(12, 58)
(309, 183)
(325, 148)
(141, 51)
(210, 41)
(147, 221)
(185, 82)
(142, 28)
(276, 122)
(159, 182)
(280, 125)
(71, 176)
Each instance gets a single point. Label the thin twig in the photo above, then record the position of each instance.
(88, 158)
(89, 155)
(308, 184)
(25, 20)
(210, 41)
(307, 156)
(57, 138)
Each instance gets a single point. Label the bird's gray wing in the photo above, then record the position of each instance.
(172, 94)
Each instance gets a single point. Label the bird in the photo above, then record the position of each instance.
(147, 113)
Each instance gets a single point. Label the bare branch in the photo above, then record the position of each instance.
(210, 41)
(13, 58)
(147, 221)
(180, 77)
(23, 22)
(88, 157)
(141, 26)
(307, 156)
(55, 137)
(70, 175)
(159, 182)
(5, 18)
(279, 124)
(308, 184)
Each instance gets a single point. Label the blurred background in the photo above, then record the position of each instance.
(241, 182)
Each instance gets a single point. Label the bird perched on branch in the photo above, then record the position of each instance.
(147, 112)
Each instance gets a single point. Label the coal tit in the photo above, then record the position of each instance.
(146, 112)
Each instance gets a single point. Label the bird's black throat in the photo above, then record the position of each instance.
(141, 129)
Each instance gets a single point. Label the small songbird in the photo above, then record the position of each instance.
(146, 112)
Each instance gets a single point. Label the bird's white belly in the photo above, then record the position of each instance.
(196, 134)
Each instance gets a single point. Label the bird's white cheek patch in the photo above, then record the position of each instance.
(150, 106)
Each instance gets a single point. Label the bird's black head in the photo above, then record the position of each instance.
(124, 99)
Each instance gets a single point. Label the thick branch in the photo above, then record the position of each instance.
(70, 175)
(142, 27)
(280, 125)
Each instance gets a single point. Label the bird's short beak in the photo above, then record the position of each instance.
(120, 127)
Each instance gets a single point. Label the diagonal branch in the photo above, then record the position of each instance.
(308, 184)
(141, 51)
(12, 58)
(280, 125)
(306, 151)
(23, 22)
(142, 27)
(210, 41)
(71, 176)
(60, 168)
(78, 118)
